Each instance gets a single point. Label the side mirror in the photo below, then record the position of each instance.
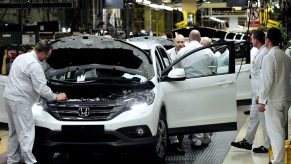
(177, 74)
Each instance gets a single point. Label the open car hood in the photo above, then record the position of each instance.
(85, 50)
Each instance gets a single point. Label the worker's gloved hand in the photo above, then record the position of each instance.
(61, 96)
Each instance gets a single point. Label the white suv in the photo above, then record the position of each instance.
(120, 96)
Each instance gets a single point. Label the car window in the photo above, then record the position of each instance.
(158, 63)
(164, 56)
(160, 60)
(242, 53)
(202, 62)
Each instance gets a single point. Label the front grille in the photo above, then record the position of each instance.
(85, 111)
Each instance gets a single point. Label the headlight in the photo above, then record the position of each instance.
(140, 100)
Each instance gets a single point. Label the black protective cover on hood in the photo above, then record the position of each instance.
(62, 58)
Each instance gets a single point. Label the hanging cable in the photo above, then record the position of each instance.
(250, 7)
(5, 11)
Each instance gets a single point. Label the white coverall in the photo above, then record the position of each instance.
(26, 83)
(201, 63)
(275, 93)
(256, 117)
(173, 54)
(288, 52)
(222, 59)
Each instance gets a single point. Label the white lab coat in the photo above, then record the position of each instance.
(26, 83)
(275, 93)
(256, 117)
(173, 54)
(253, 52)
(198, 64)
(222, 58)
(288, 52)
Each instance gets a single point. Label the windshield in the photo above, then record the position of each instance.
(80, 75)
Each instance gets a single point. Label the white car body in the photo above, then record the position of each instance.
(243, 85)
(243, 71)
(179, 105)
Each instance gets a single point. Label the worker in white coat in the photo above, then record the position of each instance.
(256, 117)
(206, 41)
(275, 93)
(253, 53)
(179, 43)
(26, 83)
(176, 141)
(199, 63)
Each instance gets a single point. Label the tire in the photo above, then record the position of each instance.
(159, 150)
(43, 155)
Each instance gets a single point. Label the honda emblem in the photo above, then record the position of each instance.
(84, 112)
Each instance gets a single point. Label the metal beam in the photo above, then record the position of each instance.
(213, 5)
(36, 5)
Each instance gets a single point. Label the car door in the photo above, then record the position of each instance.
(203, 103)
(243, 71)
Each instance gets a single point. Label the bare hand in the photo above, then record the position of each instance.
(261, 108)
(61, 96)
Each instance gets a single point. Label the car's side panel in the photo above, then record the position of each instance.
(3, 112)
(201, 101)
(244, 90)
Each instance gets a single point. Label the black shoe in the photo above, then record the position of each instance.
(247, 112)
(260, 149)
(242, 144)
(193, 146)
(176, 148)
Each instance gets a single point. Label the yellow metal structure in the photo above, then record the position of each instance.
(3, 70)
(185, 22)
(265, 21)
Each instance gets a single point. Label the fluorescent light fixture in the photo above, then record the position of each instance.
(237, 8)
(216, 19)
(168, 8)
(146, 2)
(180, 9)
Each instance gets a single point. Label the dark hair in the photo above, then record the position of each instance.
(43, 46)
(274, 35)
(259, 35)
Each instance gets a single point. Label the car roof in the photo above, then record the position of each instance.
(166, 43)
(145, 44)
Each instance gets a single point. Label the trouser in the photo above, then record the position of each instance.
(21, 132)
(256, 117)
(176, 139)
(276, 116)
(201, 138)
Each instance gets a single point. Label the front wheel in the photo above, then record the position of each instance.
(159, 152)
